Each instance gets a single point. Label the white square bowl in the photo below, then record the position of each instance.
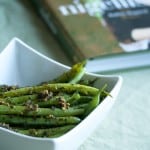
(22, 65)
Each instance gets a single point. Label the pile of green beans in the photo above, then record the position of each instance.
(52, 108)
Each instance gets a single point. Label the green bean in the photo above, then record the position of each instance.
(36, 122)
(36, 99)
(54, 101)
(73, 75)
(21, 99)
(79, 106)
(81, 100)
(95, 101)
(89, 82)
(74, 98)
(33, 110)
(51, 132)
(92, 104)
(63, 87)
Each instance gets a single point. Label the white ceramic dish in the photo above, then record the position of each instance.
(22, 65)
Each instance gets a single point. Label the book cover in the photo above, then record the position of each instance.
(89, 29)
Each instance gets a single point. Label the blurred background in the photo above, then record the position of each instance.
(19, 19)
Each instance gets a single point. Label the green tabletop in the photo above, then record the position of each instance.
(127, 126)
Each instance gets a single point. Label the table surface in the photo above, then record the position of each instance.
(127, 127)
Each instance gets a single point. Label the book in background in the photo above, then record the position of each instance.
(111, 34)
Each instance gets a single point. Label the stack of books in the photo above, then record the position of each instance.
(110, 34)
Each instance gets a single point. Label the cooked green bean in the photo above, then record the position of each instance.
(92, 104)
(73, 75)
(49, 132)
(81, 100)
(36, 122)
(54, 101)
(79, 106)
(74, 98)
(33, 110)
(63, 87)
(21, 99)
